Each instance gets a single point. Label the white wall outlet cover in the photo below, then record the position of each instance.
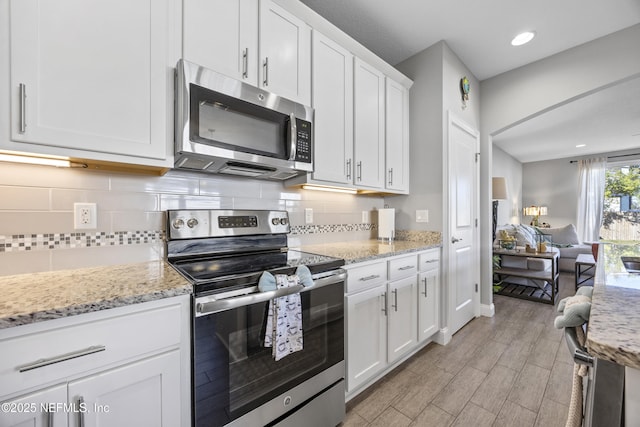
(85, 216)
(366, 218)
(308, 215)
(422, 215)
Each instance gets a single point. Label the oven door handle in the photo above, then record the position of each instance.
(578, 352)
(214, 304)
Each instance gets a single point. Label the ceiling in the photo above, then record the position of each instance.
(479, 32)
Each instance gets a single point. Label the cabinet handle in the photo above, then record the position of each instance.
(349, 169)
(245, 63)
(384, 303)
(429, 261)
(390, 176)
(373, 276)
(23, 108)
(80, 412)
(406, 267)
(359, 171)
(425, 287)
(395, 299)
(49, 418)
(265, 68)
(61, 358)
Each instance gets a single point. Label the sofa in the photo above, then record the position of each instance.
(565, 239)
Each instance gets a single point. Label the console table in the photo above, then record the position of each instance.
(545, 291)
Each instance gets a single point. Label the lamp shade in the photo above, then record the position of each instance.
(498, 188)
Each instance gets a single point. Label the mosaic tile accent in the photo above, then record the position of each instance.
(40, 242)
(331, 228)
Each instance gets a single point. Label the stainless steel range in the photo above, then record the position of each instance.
(236, 379)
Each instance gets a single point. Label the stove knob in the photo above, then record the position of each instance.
(192, 222)
(178, 223)
(283, 221)
(275, 221)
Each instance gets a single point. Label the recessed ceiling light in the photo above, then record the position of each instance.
(523, 38)
(581, 145)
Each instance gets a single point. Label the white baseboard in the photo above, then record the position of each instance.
(487, 310)
(443, 336)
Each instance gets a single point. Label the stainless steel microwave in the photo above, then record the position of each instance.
(227, 126)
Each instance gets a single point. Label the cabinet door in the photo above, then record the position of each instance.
(428, 303)
(368, 105)
(93, 76)
(332, 86)
(144, 394)
(222, 35)
(366, 335)
(44, 408)
(285, 53)
(403, 319)
(397, 137)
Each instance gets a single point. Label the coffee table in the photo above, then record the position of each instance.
(544, 283)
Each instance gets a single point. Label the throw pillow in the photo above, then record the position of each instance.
(564, 235)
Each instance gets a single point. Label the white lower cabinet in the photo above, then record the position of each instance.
(388, 315)
(117, 367)
(366, 335)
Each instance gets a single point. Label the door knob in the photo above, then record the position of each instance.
(455, 240)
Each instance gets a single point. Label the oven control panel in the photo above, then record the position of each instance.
(188, 224)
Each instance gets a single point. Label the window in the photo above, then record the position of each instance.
(621, 219)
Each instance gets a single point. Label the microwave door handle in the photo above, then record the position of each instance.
(293, 130)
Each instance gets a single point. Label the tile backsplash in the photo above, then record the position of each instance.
(36, 213)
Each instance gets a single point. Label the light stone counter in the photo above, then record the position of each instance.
(30, 298)
(367, 250)
(614, 321)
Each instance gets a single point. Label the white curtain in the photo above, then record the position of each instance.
(591, 181)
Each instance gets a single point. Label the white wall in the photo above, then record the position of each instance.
(506, 166)
(554, 184)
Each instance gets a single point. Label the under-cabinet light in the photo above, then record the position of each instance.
(60, 163)
(331, 189)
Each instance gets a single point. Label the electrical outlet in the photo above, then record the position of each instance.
(308, 215)
(85, 216)
(365, 217)
(422, 215)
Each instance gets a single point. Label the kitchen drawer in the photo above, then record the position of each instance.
(429, 260)
(403, 267)
(366, 276)
(118, 335)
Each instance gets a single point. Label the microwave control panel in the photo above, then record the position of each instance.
(303, 141)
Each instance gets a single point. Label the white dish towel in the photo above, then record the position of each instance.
(284, 316)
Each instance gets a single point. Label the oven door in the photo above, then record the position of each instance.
(236, 377)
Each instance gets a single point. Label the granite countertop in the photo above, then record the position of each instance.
(614, 322)
(30, 298)
(367, 250)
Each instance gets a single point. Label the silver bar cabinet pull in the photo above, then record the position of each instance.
(245, 63)
(373, 276)
(265, 67)
(80, 412)
(359, 171)
(61, 358)
(349, 169)
(395, 299)
(384, 303)
(23, 108)
(49, 418)
(406, 267)
(425, 287)
(390, 176)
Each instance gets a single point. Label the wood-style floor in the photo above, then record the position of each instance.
(510, 370)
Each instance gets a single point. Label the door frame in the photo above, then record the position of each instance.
(447, 301)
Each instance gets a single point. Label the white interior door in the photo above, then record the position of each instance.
(463, 276)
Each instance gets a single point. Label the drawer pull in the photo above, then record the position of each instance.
(80, 411)
(373, 276)
(406, 267)
(429, 261)
(57, 359)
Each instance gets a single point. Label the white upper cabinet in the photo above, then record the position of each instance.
(285, 53)
(332, 83)
(397, 137)
(222, 35)
(369, 123)
(93, 79)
